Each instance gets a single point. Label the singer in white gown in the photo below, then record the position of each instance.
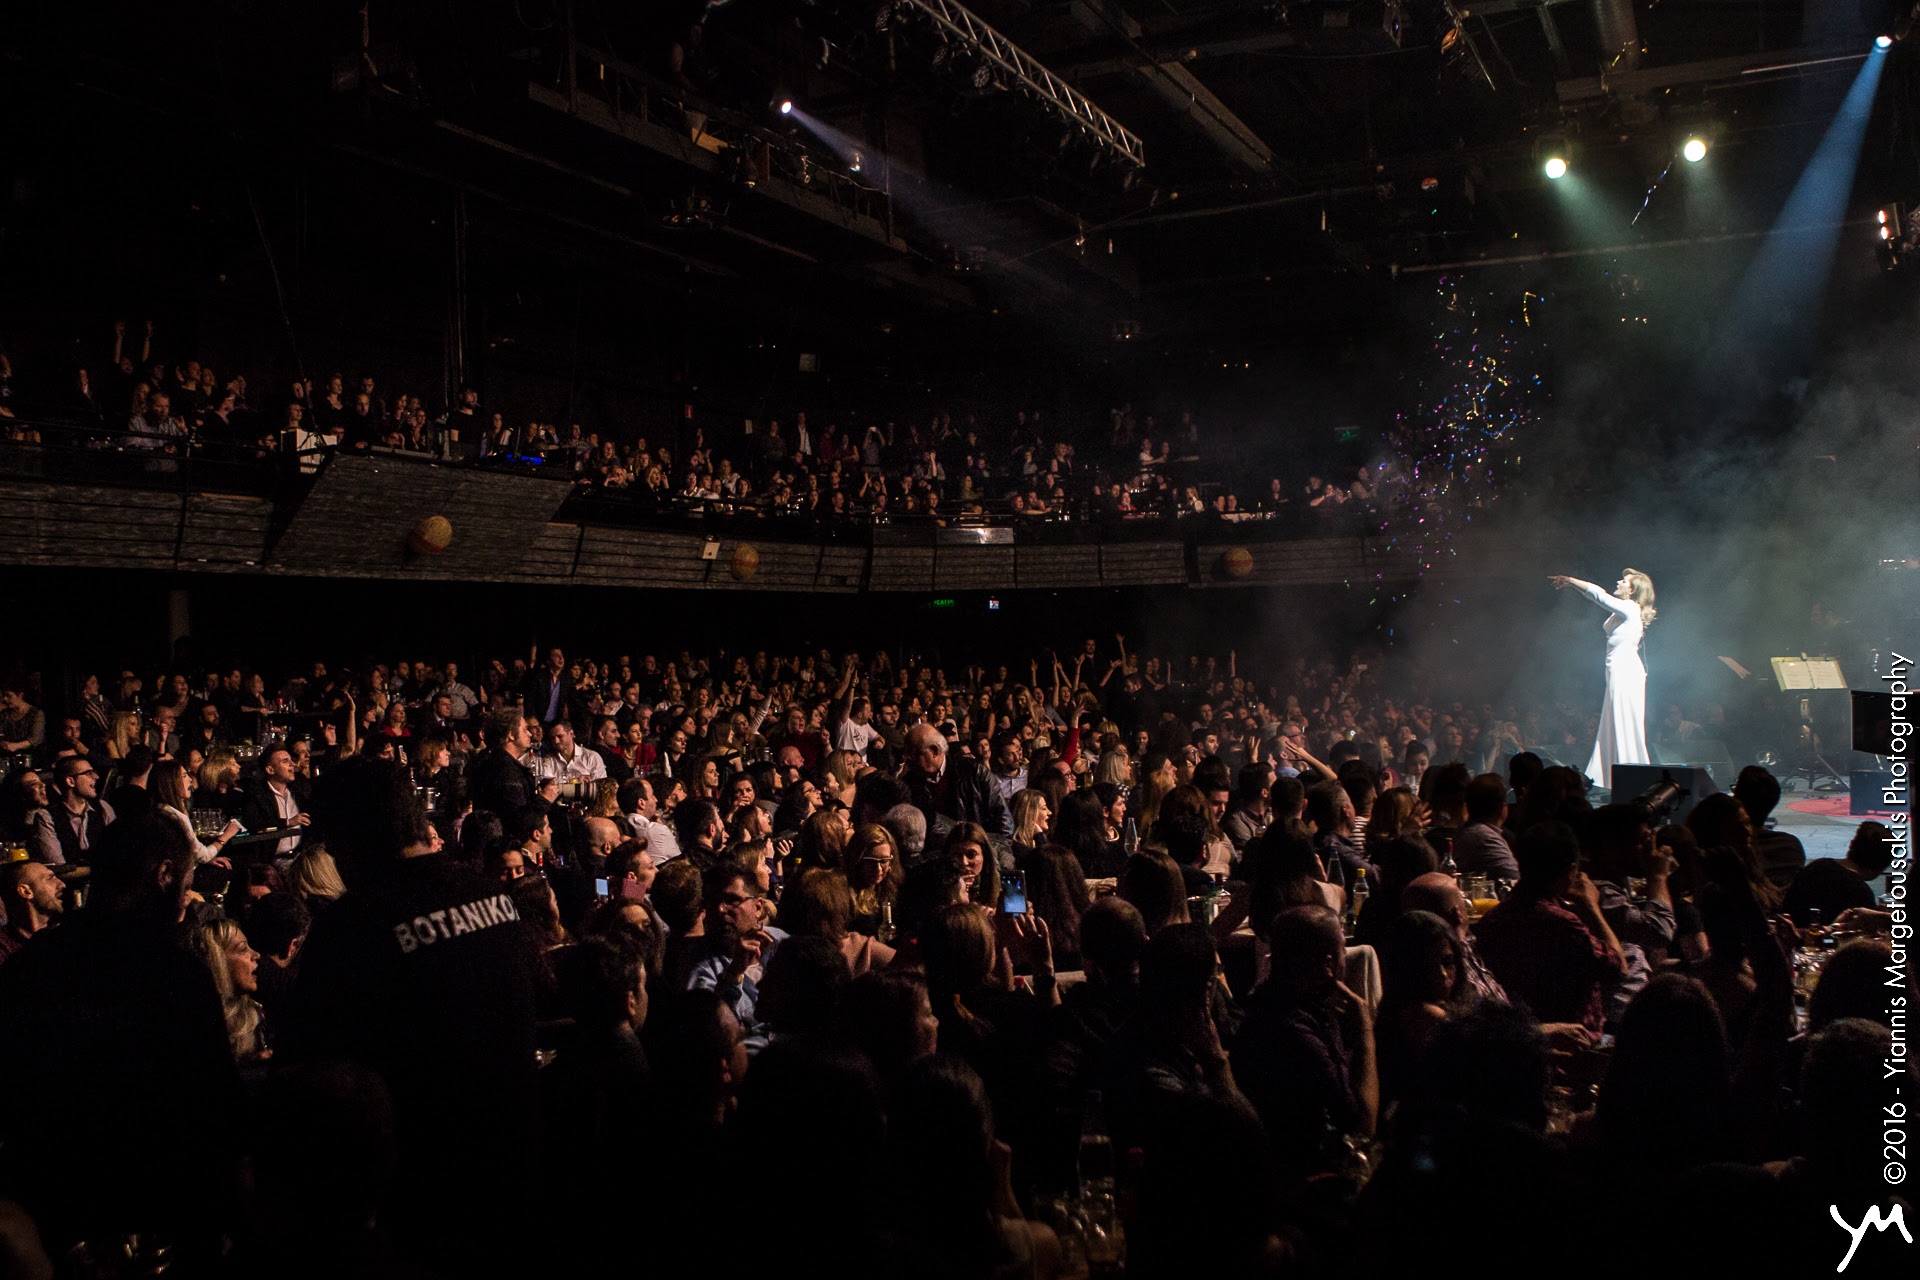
(1623, 716)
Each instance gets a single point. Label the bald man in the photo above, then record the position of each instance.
(602, 834)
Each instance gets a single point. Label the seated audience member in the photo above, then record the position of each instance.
(323, 1170)
(1401, 861)
(233, 963)
(819, 904)
(1174, 1097)
(800, 994)
(33, 899)
(1305, 1054)
(888, 1016)
(1057, 894)
(1156, 887)
(1825, 887)
(1780, 853)
(732, 952)
(1439, 894)
(1287, 873)
(1423, 981)
(594, 1094)
(115, 1008)
(277, 924)
(1471, 1131)
(1548, 943)
(1330, 816)
(1250, 813)
(951, 1207)
(1481, 846)
(64, 831)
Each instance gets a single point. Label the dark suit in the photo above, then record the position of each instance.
(537, 695)
(502, 785)
(260, 812)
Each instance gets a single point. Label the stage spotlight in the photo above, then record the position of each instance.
(1883, 42)
(786, 106)
(1695, 151)
(1556, 168)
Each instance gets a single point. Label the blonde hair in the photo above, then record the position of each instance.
(125, 734)
(314, 875)
(1640, 591)
(219, 763)
(1026, 814)
(241, 1011)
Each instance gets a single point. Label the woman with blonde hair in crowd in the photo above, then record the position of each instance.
(1160, 780)
(233, 964)
(219, 783)
(1032, 820)
(842, 771)
(125, 734)
(314, 877)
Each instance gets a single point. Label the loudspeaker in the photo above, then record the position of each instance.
(1873, 722)
(1712, 756)
(1631, 781)
(1867, 793)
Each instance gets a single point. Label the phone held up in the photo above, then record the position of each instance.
(1013, 894)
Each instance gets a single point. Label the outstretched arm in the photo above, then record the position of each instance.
(1598, 594)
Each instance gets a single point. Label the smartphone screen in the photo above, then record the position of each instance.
(1013, 894)
(600, 887)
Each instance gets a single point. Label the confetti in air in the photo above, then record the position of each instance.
(1479, 391)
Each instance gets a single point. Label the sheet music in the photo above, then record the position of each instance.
(1792, 673)
(1826, 674)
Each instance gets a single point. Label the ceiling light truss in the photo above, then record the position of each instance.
(995, 49)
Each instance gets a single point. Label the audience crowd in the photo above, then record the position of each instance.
(725, 964)
(1128, 467)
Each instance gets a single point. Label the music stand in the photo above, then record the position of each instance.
(1803, 674)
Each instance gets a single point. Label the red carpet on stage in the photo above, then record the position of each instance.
(1825, 806)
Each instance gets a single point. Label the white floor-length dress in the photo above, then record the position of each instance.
(1623, 716)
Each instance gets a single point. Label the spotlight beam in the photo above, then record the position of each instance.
(1779, 295)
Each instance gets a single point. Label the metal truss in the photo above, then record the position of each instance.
(1002, 53)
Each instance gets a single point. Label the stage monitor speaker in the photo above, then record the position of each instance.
(1631, 781)
(1873, 723)
(1712, 756)
(1867, 793)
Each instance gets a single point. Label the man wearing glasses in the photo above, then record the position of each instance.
(64, 832)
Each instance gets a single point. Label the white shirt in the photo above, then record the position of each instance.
(584, 762)
(289, 809)
(661, 845)
(855, 737)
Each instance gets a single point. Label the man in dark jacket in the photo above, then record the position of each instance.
(961, 793)
(546, 692)
(502, 784)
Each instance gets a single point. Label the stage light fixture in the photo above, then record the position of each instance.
(1695, 151)
(1556, 168)
(786, 106)
(1883, 42)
